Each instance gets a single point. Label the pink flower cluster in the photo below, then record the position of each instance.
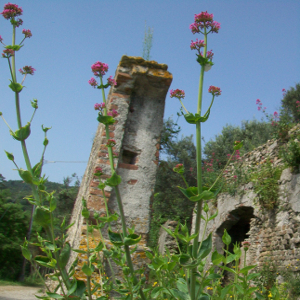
(11, 11)
(179, 168)
(216, 91)
(27, 70)
(98, 171)
(246, 245)
(204, 20)
(283, 92)
(99, 106)
(179, 94)
(112, 113)
(111, 143)
(1, 39)
(93, 82)
(27, 33)
(197, 45)
(8, 53)
(99, 69)
(111, 81)
(259, 103)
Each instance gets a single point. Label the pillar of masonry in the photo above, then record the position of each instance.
(139, 98)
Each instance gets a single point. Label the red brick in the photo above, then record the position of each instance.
(132, 181)
(95, 191)
(122, 77)
(95, 202)
(128, 166)
(117, 95)
(111, 134)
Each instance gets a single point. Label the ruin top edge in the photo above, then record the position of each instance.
(127, 61)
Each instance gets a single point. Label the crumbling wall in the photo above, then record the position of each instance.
(139, 98)
(274, 234)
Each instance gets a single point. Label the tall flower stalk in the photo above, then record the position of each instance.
(203, 24)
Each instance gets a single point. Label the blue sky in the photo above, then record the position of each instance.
(256, 56)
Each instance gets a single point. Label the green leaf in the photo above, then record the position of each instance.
(179, 295)
(15, 87)
(186, 261)
(114, 180)
(14, 47)
(205, 247)
(99, 246)
(49, 246)
(225, 291)
(203, 61)
(21, 134)
(64, 255)
(42, 217)
(37, 169)
(245, 270)
(252, 276)
(54, 295)
(26, 176)
(79, 251)
(116, 238)
(169, 231)
(53, 204)
(9, 156)
(44, 261)
(238, 146)
(73, 288)
(226, 238)
(204, 296)
(214, 276)
(106, 120)
(149, 255)
(213, 216)
(85, 213)
(228, 269)
(132, 239)
(182, 286)
(26, 253)
(46, 128)
(216, 258)
(87, 270)
(207, 195)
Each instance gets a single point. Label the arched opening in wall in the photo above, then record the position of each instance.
(237, 225)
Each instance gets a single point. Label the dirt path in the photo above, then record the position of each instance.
(10, 292)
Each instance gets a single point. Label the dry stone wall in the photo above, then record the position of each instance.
(274, 234)
(139, 98)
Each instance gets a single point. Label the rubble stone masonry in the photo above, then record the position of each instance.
(139, 99)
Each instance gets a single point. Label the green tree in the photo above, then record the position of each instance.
(290, 108)
(254, 133)
(13, 228)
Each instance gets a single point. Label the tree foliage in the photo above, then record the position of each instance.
(290, 108)
(13, 228)
(254, 133)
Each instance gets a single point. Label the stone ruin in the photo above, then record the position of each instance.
(274, 234)
(139, 98)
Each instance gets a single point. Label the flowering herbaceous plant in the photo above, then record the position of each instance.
(184, 275)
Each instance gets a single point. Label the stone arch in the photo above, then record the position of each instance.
(237, 224)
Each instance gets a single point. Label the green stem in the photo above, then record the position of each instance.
(199, 176)
(88, 282)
